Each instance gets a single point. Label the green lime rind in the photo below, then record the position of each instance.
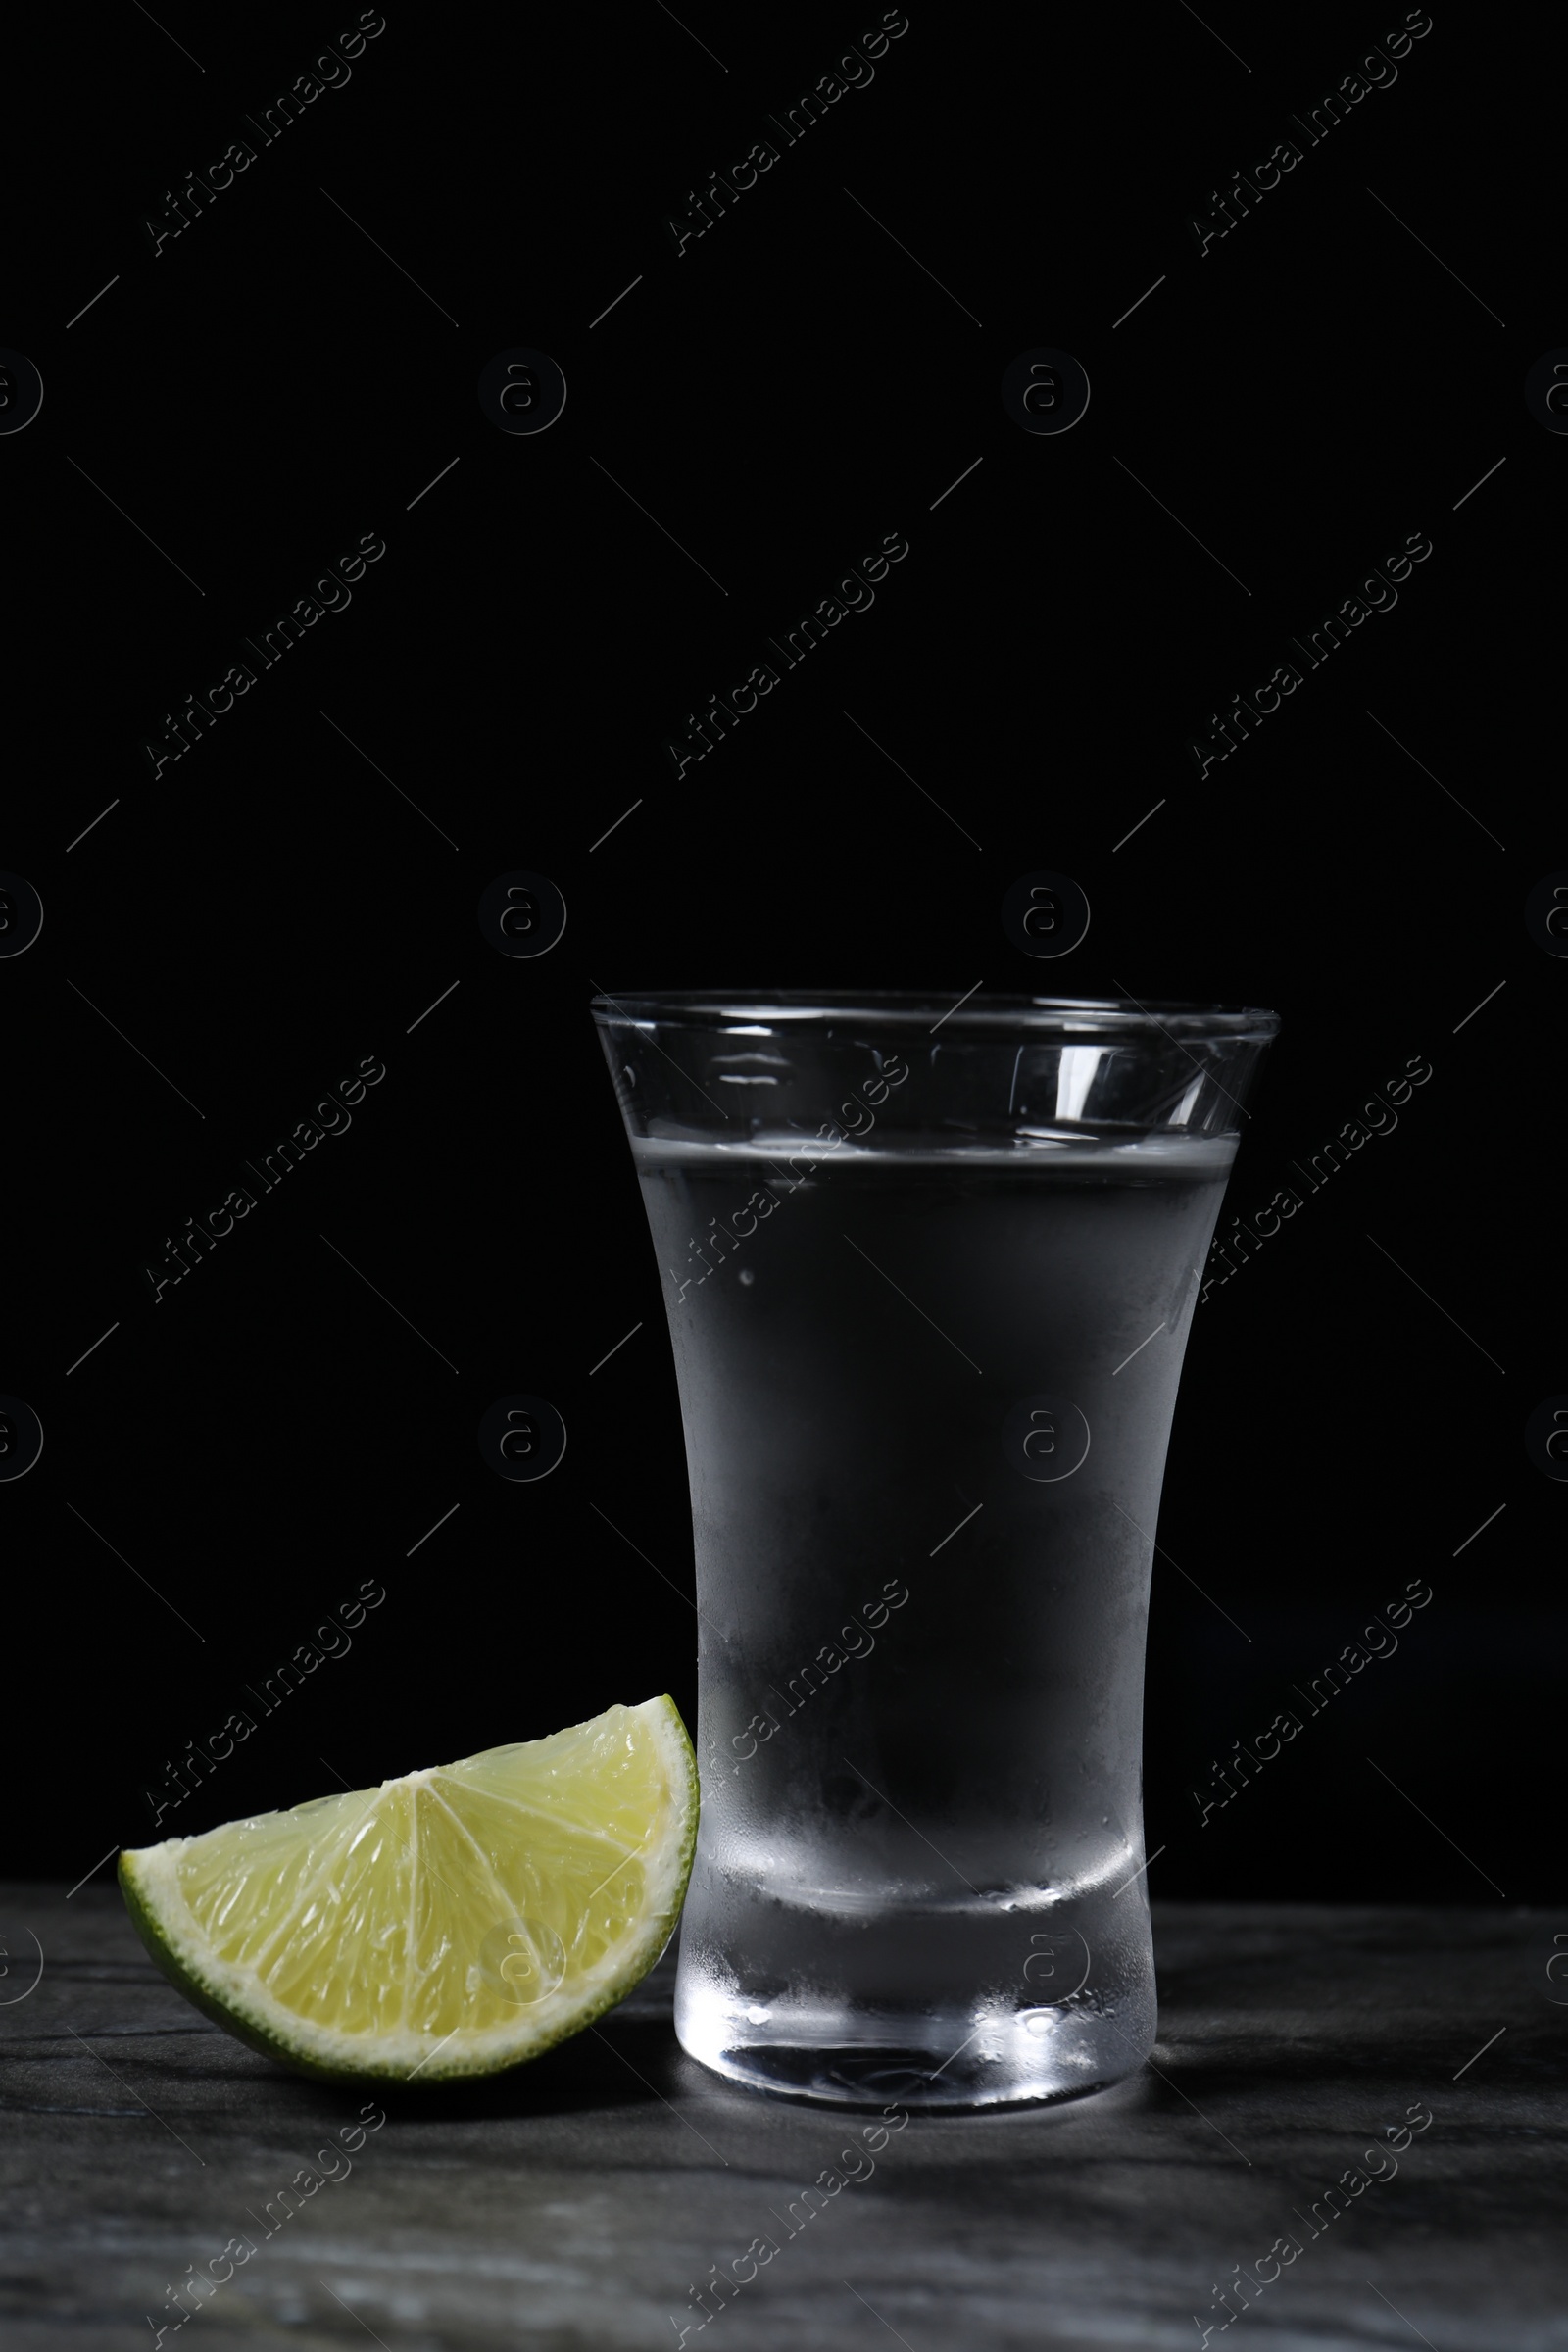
(448, 2065)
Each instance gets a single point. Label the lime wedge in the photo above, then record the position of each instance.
(451, 1923)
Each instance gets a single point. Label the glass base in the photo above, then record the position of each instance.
(927, 2065)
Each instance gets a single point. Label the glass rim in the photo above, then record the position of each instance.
(739, 1010)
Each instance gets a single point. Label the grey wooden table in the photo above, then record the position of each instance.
(581, 2202)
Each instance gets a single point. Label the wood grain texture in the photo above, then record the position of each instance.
(575, 2204)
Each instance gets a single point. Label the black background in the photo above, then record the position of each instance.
(232, 1462)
